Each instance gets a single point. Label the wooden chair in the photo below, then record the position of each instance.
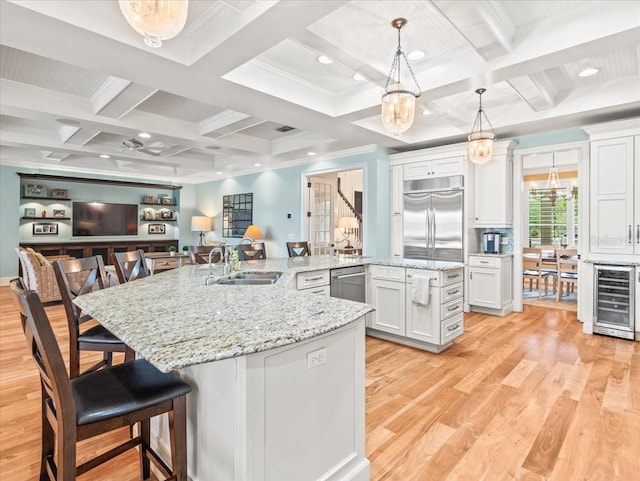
(532, 269)
(252, 252)
(200, 254)
(567, 262)
(98, 402)
(76, 277)
(130, 265)
(298, 249)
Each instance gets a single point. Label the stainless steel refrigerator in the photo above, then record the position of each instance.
(432, 216)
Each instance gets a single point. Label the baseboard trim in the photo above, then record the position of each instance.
(4, 281)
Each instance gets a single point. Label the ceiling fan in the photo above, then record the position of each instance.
(134, 145)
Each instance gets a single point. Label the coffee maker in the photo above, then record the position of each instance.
(491, 242)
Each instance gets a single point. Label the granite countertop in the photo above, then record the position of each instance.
(483, 254)
(174, 320)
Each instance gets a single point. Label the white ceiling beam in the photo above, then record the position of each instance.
(533, 92)
(117, 97)
(497, 21)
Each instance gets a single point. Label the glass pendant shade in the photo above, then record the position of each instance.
(398, 109)
(398, 101)
(156, 20)
(480, 148)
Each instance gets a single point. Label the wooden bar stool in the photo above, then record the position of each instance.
(252, 252)
(131, 265)
(200, 254)
(76, 277)
(298, 249)
(99, 402)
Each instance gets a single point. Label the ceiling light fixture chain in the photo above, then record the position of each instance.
(398, 102)
(480, 148)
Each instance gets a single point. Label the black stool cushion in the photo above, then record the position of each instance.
(98, 334)
(122, 389)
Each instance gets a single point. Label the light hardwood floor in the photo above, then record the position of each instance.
(526, 397)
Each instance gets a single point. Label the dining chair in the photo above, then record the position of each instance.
(298, 249)
(76, 277)
(131, 265)
(532, 270)
(567, 262)
(73, 410)
(200, 254)
(252, 252)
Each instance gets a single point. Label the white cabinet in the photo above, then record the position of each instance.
(490, 284)
(492, 189)
(387, 293)
(314, 282)
(396, 211)
(427, 322)
(434, 168)
(615, 196)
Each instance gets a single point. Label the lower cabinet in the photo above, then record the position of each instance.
(416, 307)
(314, 282)
(491, 284)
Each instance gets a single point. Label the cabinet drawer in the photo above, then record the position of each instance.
(451, 328)
(451, 308)
(452, 276)
(165, 264)
(387, 273)
(452, 292)
(305, 280)
(322, 290)
(482, 261)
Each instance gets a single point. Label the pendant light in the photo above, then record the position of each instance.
(156, 20)
(480, 147)
(398, 102)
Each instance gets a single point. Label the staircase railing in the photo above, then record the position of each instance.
(349, 204)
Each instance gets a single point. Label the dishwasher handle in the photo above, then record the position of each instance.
(344, 276)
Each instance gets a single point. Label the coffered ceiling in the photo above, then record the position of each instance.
(241, 85)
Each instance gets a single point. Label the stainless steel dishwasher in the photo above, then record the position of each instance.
(348, 283)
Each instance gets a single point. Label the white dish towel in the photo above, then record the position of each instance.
(420, 290)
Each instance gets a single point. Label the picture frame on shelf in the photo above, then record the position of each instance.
(149, 199)
(45, 228)
(157, 229)
(166, 214)
(59, 193)
(147, 214)
(59, 213)
(34, 190)
(167, 200)
(29, 212)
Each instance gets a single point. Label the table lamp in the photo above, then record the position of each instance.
(347, 223)
(200, 223)
(253, 233)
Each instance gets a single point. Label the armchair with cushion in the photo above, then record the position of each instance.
(38, 275)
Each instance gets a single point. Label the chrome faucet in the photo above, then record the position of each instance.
(226, 268)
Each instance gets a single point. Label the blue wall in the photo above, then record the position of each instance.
(9, 221)
(277, 193)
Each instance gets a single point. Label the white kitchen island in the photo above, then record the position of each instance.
(277, 374)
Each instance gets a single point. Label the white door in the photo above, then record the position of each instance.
(321, 221)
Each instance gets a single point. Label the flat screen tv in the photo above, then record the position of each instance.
(104, 219)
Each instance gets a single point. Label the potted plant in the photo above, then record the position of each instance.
(172, 250)
(185, 250)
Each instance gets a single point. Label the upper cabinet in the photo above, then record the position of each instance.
(614, 182)
(434, 168)
(493, 189)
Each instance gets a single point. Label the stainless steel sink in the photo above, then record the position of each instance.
(251, 279)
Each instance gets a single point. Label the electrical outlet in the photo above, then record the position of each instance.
(317, 357)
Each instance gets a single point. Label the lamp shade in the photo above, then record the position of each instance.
(348, 223)
(398, 109)
(253, 232)
(480, 148)
(200, 223)
(156, 20)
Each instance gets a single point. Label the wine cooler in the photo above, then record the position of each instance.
(614, 301)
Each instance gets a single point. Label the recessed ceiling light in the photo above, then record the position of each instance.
(257, 165)
(357, 76)
(588, 72)
(212, 147)
(415, 55)
(426, 112)
(144, 135)
(105, 156)
(323, 59)
(219, 173)
(311, 153)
